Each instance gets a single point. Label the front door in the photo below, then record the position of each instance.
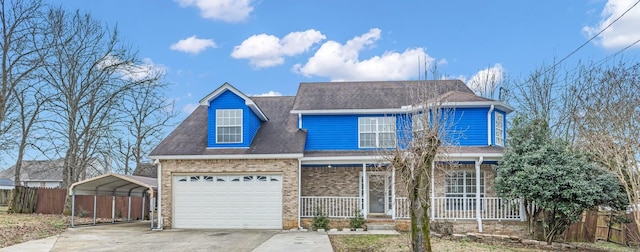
(379, 193)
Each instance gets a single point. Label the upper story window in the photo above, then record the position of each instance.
(499, 129)
(418, 122)
(229, 126)
(377, 132)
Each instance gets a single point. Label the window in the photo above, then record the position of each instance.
(460, 190)
(499, 129)
(377, 132)
(417, 124)
(229, 126)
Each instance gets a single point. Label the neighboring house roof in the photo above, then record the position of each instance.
(6, 182)
(279, 135)
(370, 94)
(45, 170)
(146, 170)
(36, 170)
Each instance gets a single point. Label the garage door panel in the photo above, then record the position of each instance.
(228, 201)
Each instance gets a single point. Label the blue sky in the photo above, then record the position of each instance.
(269, 47)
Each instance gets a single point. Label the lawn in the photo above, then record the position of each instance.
(18, 228)
(398, 243)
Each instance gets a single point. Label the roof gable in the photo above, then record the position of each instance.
(247, 101)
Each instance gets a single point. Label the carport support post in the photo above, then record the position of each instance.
(144, 196)
(95, 211)
(73, 206)
(129, 209)
(113, 209)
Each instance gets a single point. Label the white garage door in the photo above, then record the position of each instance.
(251, 201)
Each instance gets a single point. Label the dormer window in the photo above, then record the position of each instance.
(229, 126)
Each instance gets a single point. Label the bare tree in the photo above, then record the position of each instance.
(486, 81)
(85, 68)
(20, 57)
(145, 118)
(30, 103)
(609, 122)
(422, 136)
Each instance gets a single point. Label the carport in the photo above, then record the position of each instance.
(116, 185)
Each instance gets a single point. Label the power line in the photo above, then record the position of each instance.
(587, 42)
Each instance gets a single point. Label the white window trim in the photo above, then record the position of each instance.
(499, 127)
(483, 187)
(241, 126)
(376, 132)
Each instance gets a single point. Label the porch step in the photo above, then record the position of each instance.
(381, 226)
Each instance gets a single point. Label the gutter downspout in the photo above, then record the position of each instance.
(299, 188)
(478, 199)
(299, 120)
(489, 125)
(159, 195)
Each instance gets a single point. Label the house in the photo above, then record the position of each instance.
(47, 173)
(271, 162)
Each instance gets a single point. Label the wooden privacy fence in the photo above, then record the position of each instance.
(595, 226)
(51, 201)
(4, 197)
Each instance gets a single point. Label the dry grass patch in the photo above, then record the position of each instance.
(18, 228)
(398, 243)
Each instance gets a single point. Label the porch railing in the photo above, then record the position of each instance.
(334, 207)
(491, 208)
(450, 208)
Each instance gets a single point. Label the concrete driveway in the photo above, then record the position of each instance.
(138, 237)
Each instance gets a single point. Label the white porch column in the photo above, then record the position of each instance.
(478, 199)
(433, 194)
(393, 192)
(364, 190)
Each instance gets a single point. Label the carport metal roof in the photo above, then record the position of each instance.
(116, 185)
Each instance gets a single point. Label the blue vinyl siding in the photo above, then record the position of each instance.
(331, 132)
(250, 122)
(340, 132)
(470, 127)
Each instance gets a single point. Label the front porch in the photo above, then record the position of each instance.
(463, 192)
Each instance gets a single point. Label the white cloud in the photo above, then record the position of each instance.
(193, 45)
(189, 108)
(485, 81)
(265, 50)
(230, 11)
(623, 32)
(340, 62)
(270, 93)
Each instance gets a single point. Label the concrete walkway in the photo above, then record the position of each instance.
(297, 241)
(42, 245)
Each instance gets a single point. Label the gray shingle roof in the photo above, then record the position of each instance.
(279, 135)
(36, 170)
(371, 94)
(46, 170)
(146, 170)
